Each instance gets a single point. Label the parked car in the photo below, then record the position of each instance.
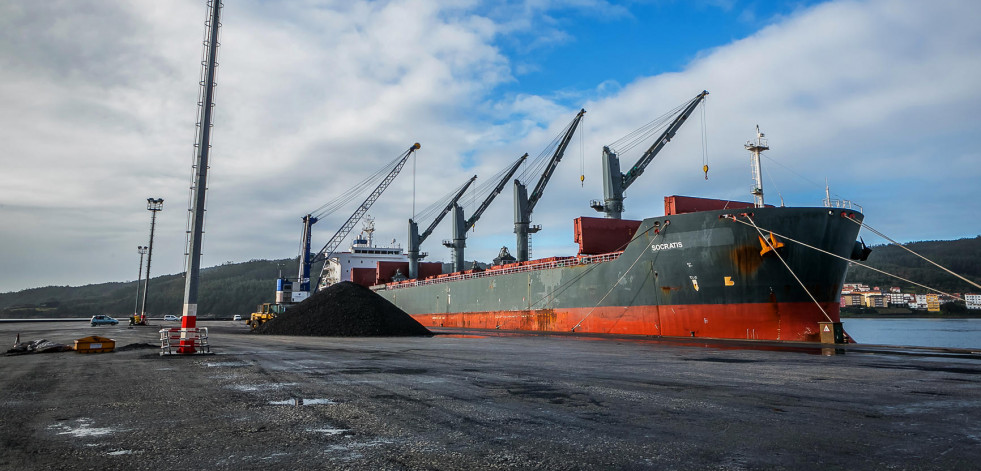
(237, 317)
(102, 319)
(171, 317)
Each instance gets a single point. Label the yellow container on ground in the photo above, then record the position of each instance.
(95, 344)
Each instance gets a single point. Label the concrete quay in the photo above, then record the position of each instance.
(481, 402)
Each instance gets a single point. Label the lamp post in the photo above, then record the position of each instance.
(139, 279)
(153, 205)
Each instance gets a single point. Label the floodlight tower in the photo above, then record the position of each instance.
(153, 205)
(199, 179)
(139, 280)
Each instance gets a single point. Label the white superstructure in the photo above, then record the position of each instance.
(363, 254)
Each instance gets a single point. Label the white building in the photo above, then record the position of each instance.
(918, 302)
(973, 301)
(897, 299)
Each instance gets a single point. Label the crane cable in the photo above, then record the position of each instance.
(705, 166)
(643, 133)
(897, 244)
(854, 262)
(535, 168)
(353, 192)
(582, 155)
(427, 215)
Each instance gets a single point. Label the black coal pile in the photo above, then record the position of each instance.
(344, 309)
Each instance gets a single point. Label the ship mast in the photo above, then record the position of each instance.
(756, 148)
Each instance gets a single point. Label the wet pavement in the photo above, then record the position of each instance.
(482, 401)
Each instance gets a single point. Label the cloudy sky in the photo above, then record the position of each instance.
(98, 105)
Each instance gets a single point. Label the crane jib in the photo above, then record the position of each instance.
(493, 194)
(442, 214)
(539, 190)
(341, 233)
(659, 144)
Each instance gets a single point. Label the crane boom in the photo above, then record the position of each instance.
(525, 204)
(539, 190)
(614, 182)
(493, 194)
(442, 214)
(648, 157)
(461, 225)
(415, 240)
(335, 241)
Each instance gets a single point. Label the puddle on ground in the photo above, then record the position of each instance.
(354, 450)
(302, 401)
(226, 364)
(123, 452)
(328, 431)
(259, 387)
(81, 428)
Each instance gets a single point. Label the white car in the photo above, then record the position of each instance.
(171, 317)
(237, 317)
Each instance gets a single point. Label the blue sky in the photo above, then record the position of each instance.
(628, 41)
(879, 97)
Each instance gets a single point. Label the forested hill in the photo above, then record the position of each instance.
(962, 256)
(225, 290)
(236, 288)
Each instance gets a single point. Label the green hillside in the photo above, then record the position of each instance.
(234, 288)
(962, 256)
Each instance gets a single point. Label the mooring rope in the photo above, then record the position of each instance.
(639, 256)
(897, 244)
(854, 262)
(774, 250)
(568, 284)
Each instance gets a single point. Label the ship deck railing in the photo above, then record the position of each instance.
(534, 265)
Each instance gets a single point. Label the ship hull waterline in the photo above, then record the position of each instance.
(706, 275)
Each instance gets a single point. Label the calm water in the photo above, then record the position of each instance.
(955, 333)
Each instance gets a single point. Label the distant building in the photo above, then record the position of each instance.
(851, 300)
(930, 302)
(876, 300)
(897, 299)
(973, 301)
(918, 302)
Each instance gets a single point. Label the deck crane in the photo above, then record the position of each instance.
(416, 239)
(461, 225)
(524, 204)
(328, 250)
(615, 183)
(306, 260)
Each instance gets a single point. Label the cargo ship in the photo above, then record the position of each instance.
(706, 269)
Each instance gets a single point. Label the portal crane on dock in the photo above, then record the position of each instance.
(615, 182)
(524, 203)
(416, 239)
(461, 225)
(328, 250)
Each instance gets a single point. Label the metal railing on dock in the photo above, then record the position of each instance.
(194, 340)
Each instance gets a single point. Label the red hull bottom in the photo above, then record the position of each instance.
(795, 322)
